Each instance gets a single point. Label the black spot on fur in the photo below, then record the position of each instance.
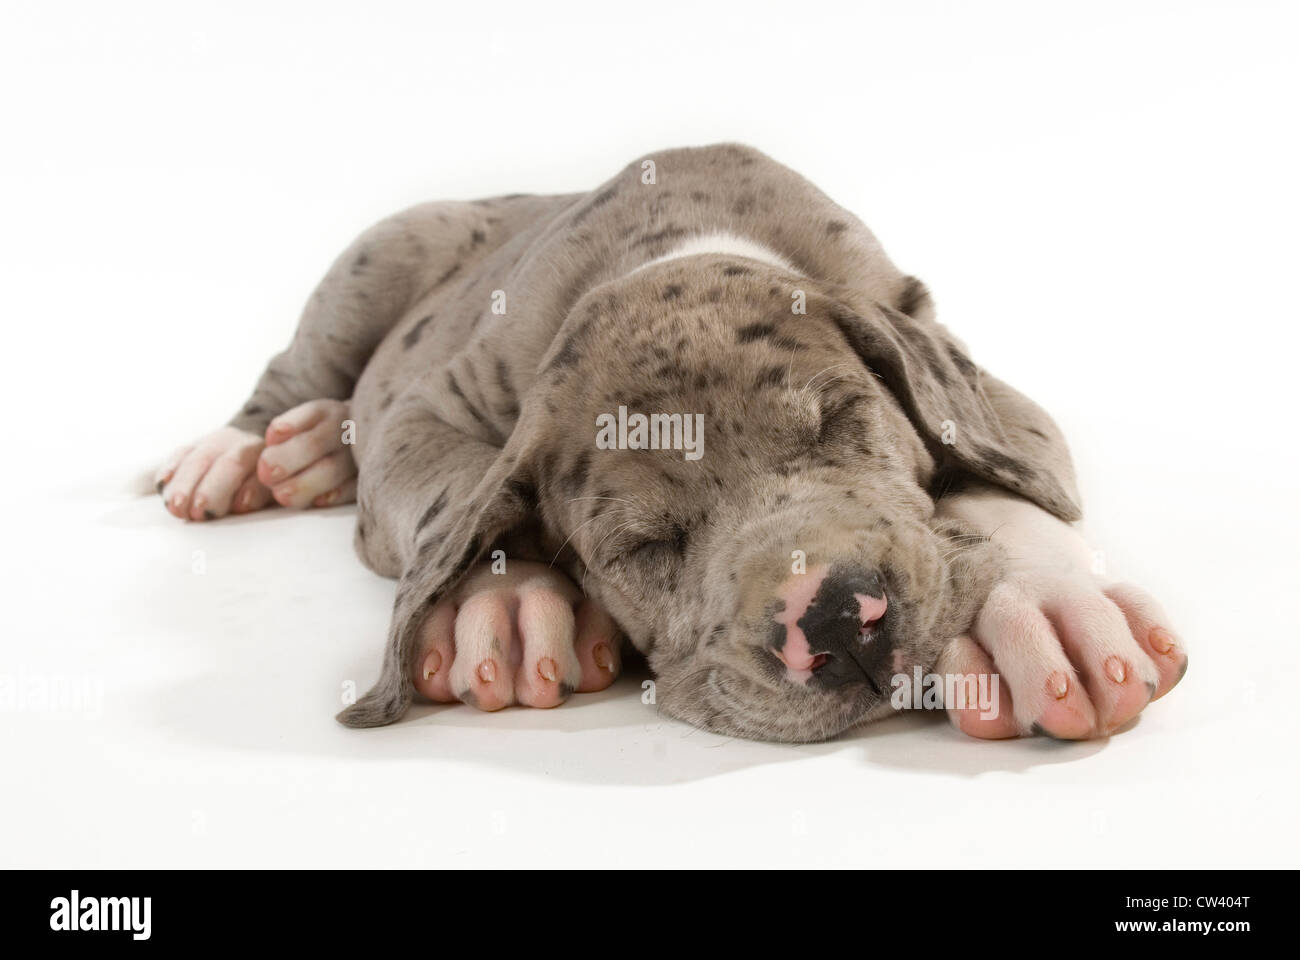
(577, 475)
(450, 272)
(568, 354)
(836, 227)
(524, 492)
(732, 270)
(755, 331)
(412, 336)
(837, 419)
(912, 297)
(678, 539)
(468, 557)
(962, 362)
(922, 343)
(359, 264)
(743, 204)
(596, 202)
(454, 387)
(999, 461)
(667, 233)
(252, 409)
(431, 512)
(477, 237)
(510, 405)
(771, 377)
(672, 291)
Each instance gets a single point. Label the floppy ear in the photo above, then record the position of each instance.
(967, 416)
(473, 509)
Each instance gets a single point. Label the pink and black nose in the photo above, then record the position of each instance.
(830, 631)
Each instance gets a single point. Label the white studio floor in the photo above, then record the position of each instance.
(203, 736)
(1103, 203)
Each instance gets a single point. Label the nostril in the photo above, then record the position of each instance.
(870, 609)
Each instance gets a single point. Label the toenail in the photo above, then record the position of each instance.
(178, 501)
(602, 657)
(546, 667)
(1115, 669)
(487, 671)
(246, 498)
(1059, 685)
(1161, 640)
(277, 473)
(432, 664)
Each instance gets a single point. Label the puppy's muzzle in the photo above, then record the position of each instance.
(837, 628)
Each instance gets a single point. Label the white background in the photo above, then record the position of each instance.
(1102, 198)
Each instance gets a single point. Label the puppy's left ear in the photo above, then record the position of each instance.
(966, 415)
(483, 494)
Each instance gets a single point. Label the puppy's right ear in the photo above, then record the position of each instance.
(971, 418)
(456, 528)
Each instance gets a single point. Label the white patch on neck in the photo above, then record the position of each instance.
(723, 242)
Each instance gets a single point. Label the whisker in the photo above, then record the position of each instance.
(623, 526)
(572, 535)
(833, 366)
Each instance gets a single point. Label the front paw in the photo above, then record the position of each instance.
(527, 636)
(1076, 658)
(307, 462)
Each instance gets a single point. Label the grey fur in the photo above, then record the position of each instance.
(825, 431)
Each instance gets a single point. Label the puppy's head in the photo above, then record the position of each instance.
(742, 471)
(738, 463)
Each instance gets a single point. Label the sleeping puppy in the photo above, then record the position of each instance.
(700, 409)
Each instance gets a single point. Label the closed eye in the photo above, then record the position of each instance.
(647, 550)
